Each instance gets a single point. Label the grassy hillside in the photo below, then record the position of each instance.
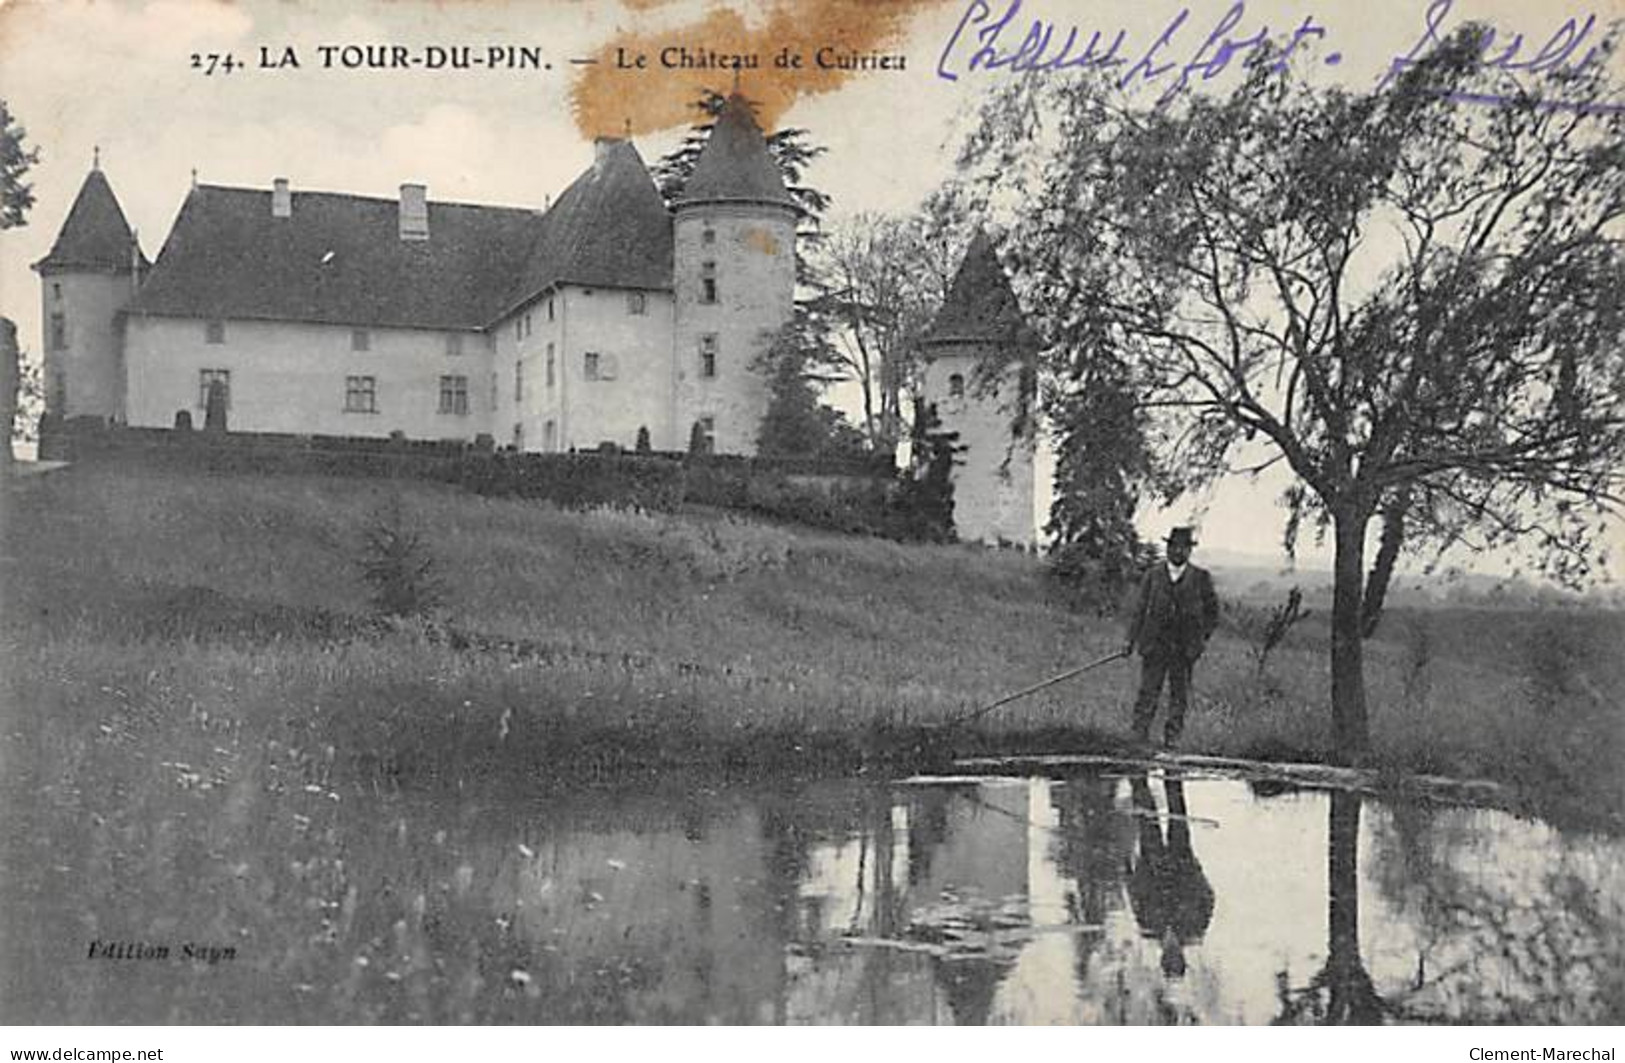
(223, 620)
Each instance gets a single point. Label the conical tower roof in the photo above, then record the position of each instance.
(735, 165)
(609, 228)
(96, 235)
(981, 308)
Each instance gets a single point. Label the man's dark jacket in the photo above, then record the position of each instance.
(1172, 618)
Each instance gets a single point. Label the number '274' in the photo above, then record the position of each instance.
(215, 62)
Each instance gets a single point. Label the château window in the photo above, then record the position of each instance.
(214, 332)
(550, 373)
(636, 303)
(360, 340)
(550, 308)
(454, 394)
(550, 436)
(206, 378)
(493, 392)
(590, 365)
(956, 386)
(708, 236)
(454, 345)
(708, 282)
(518, 382)
(360, 394)
(59, 332)
(708, 355)
(56, 291)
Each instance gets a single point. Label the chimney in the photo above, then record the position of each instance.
(281, 199)
(414, 212)
(601, 147)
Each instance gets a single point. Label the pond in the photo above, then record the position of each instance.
(1107, 894)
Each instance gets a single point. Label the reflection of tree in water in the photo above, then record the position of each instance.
(1342, 992)
(1093, 846)
(1491, 949)
(1500, 940)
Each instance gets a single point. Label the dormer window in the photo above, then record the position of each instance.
(214, 331)
(708, 282)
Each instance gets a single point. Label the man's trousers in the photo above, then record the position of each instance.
(1155, 668)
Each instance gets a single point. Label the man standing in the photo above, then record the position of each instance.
(1174, 614)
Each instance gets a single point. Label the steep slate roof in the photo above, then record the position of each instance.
(95, 235)
(735, 165)
(980, 306)
(338, 259)
(609, 229)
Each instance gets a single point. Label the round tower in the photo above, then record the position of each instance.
(978, 374)
(91, 273)
(734, 271)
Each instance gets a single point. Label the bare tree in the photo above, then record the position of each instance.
(885, 276)
(1409, 298)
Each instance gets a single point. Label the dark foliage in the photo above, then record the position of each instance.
(16, 194)
(796, 424)
(1100, 462)
(397, 565)
(926, 496)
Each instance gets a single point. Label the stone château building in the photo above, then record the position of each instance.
(330, 314)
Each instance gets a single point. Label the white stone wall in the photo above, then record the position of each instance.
(290, 377)
(754, 252)
(88, 366)
(522, 338)
(634, 389)
(994, 480)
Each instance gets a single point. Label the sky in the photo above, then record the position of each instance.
(120, 75)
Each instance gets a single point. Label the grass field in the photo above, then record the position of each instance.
(187, 615)
(207, 732)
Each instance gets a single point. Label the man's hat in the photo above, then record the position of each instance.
(1184, 536)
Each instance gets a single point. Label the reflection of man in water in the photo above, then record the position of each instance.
(1172, 900)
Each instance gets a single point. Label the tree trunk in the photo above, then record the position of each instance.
(1351, 738)
(1382, 569)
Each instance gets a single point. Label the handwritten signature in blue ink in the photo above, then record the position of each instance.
(985, 41)
(1556, 56)
(1042, 49)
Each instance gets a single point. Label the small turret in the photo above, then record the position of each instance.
(92, 271)
(734, 272)
(978, 375)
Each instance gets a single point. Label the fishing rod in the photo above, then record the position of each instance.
(977, 714)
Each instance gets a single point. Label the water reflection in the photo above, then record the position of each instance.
(1098, 897)
(1171, 897)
